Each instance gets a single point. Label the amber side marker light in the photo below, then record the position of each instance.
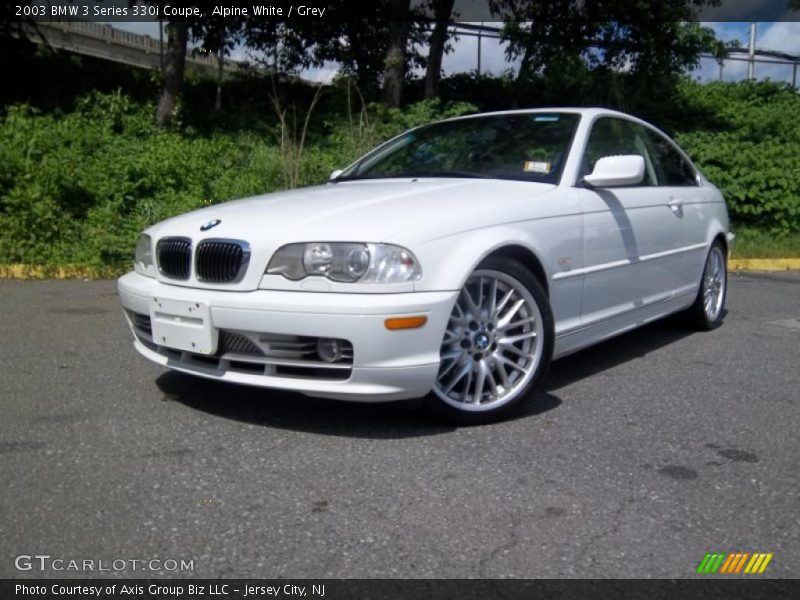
(405, 322)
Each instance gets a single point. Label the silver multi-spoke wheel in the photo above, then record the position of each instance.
(493, 343)
(714, 281)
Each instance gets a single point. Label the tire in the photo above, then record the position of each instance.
(709, 307)
(497, 346)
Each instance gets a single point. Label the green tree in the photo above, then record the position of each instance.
(442, 11)
(650, 41)
(356, 39)
(373, 42)
(213, 32)
(174, 66)
(394, 70)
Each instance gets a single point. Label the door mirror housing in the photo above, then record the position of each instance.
(336, 174)
(611, 171)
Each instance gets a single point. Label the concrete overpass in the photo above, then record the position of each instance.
(108, 43)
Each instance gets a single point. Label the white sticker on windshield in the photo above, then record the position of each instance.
(535, 166)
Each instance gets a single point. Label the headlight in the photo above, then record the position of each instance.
(346, 262)
(143, 259)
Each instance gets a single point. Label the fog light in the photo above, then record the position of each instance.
(329, 350)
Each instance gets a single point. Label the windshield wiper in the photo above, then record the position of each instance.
(357, 177)
(412, 174)
(463, 174)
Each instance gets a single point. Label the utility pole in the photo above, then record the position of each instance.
(751, 64)
(721, 64)
(794, 75)
(479, 48)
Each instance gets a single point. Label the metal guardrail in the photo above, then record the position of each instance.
(762, 57)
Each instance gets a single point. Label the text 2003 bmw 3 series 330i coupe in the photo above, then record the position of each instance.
(453, 262)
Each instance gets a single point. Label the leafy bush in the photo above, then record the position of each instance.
(746, 139)
(77, 188)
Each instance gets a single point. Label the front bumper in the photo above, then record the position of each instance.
(386, 365)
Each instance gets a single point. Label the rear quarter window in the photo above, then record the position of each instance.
(672, 169)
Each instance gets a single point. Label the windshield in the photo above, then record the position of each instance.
(528, 147)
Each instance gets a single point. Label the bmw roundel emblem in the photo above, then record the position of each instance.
(210, 224)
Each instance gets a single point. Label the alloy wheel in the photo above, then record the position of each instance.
(714, 282)
(493, 343)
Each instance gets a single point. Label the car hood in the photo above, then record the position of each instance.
(401, 211)
(406, 212)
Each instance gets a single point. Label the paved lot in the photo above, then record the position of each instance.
(644, 453)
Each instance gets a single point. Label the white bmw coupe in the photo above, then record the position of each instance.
(453, 262)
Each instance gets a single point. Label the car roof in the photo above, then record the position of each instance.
(590, 111)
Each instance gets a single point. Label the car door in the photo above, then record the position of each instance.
(687, 200)
(631, 236)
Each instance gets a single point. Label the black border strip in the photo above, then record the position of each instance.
(710, 588)
(464, 10)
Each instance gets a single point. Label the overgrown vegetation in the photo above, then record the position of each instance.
(77, 186)
(746, 138)
(752, 242)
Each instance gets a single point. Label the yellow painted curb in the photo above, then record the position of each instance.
(23, 271)
(764, 264)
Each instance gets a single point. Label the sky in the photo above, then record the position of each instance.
(782, 36)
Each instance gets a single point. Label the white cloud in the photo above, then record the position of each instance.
(782, 36)
(324, 74)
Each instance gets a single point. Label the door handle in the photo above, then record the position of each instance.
(675, 205)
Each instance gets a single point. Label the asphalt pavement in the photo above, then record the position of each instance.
(642, 455)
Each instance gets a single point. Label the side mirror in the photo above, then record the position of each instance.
(335, 174)
(611, 171)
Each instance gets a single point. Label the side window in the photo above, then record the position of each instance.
(672, 169)
(611, 137)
